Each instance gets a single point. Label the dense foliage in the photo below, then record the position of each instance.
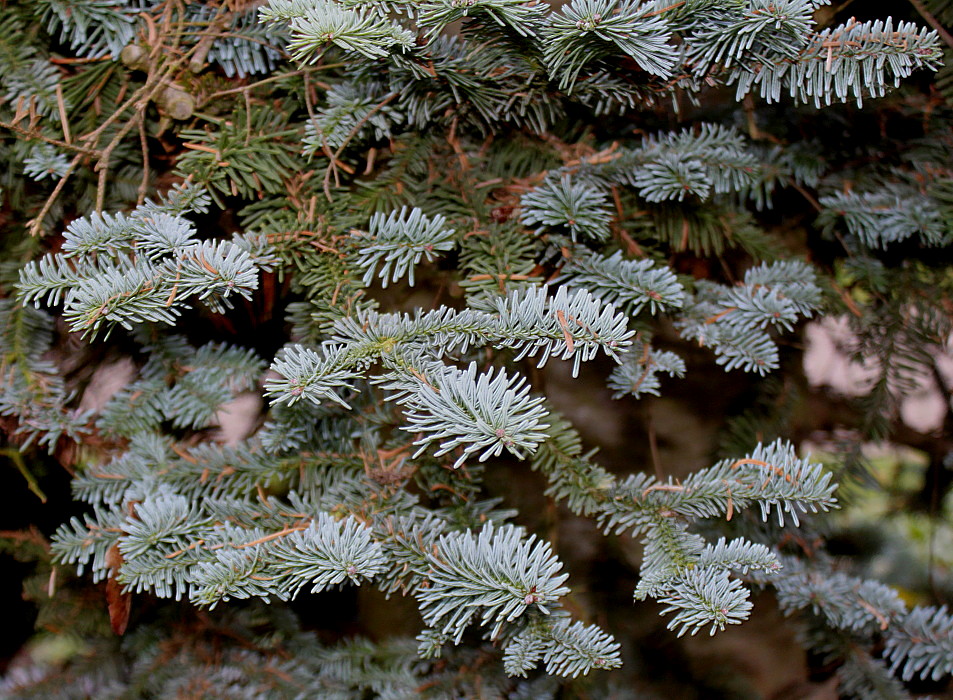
(426, 234)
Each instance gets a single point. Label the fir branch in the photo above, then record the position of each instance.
(524, 20)
(496, 577)
(398, 242)
(630, 284)
(854, 60)
(699, 599)
(486, 413)
(920, 644)
(573, 649)
(588, 30)
(888, 215)
(316, 23)
(576, 206)
(638, 372)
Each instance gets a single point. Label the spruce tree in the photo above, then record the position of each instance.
(390, 220)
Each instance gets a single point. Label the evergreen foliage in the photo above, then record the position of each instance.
(236, 199)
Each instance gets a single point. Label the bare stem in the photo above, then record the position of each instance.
(933, 22)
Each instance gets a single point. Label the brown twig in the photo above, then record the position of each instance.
(16, 128)
(933, 22)
(665, 9)
(61, 108)
(252, 86)
(144, 144)
(138, 99)
(351, 134)
(275, 535)
(653, 445)
(808, 196)
(36, 223)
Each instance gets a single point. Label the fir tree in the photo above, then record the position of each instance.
(235, 198)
